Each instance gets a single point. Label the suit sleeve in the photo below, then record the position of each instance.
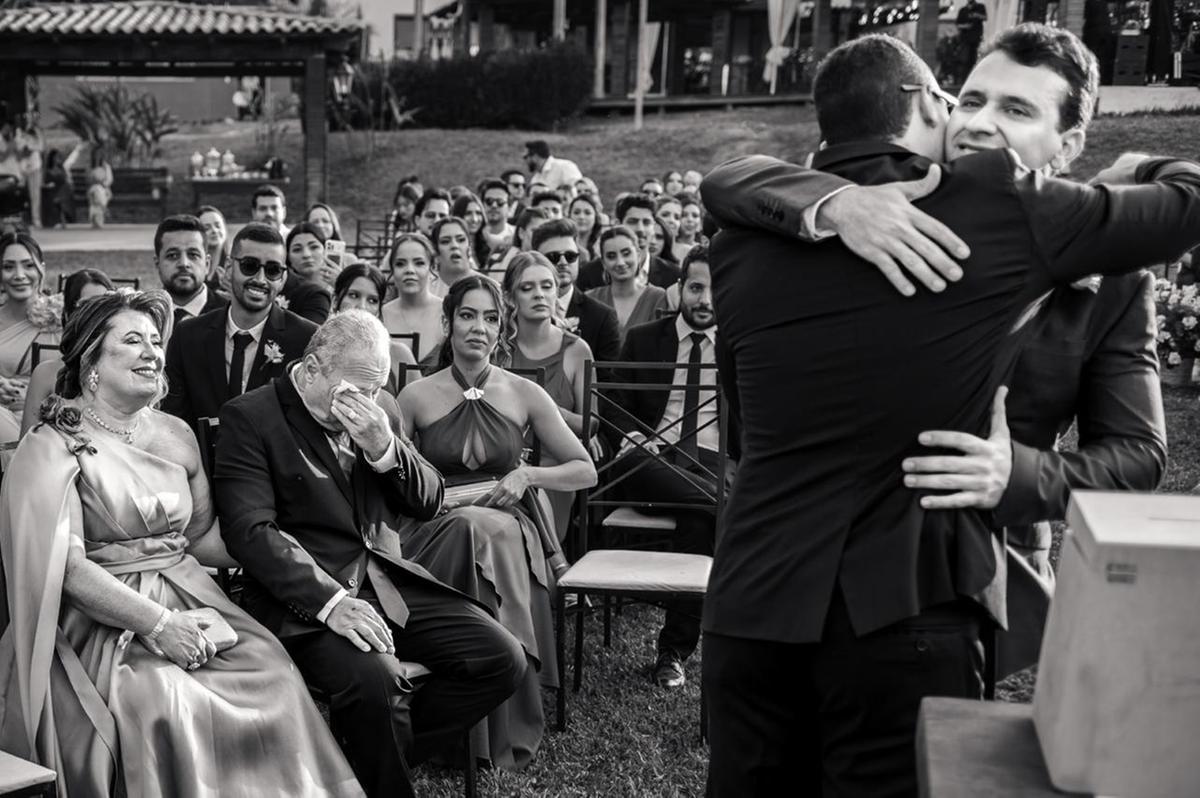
(727, 373)
(245, 497)
(765, 193)
(1082, 229)
(1122, 429)
(177, 402)
(411, 487)
(608, 337)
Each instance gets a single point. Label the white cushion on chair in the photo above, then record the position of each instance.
(17, 774)
(624, 517)
(639, 571)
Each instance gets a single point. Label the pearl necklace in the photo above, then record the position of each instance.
(127, 434)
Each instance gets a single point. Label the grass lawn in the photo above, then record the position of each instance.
(626, 737)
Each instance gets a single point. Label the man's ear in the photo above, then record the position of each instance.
(926, 106)
(1070, 149)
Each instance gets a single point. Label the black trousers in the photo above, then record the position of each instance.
(838, 717)
(695, 532)
(384, 723)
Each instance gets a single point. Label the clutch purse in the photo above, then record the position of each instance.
(467, 493)
(215, 627)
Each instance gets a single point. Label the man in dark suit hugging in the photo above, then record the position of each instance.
(313, 482)
(687, 423)
(218, 355)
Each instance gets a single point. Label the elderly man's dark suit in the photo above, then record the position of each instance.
(836, 602)
(303, 529)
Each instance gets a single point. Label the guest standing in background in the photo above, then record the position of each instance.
(99, 192)
(30, 147)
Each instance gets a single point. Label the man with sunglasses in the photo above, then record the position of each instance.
(497, 232)
(224, 353)
(595, 322)
(514, 180)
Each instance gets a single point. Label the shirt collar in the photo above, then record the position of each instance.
(255, 331)
(195, 305)
(564, 301)
(683, 330)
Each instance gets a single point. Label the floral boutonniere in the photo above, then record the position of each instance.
(272, 353)
(570, 324)
(282, 301)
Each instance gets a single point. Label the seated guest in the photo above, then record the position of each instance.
(662, 243)
(680, 418)
(216, 357)
(528, 220)
(636, 213)
(217, 243)
(592, 320)
(634, 301)
(325, 219)
(468, 208)
(469, 420)
(308, 291)
(548, 201)
(361, 286)
(316, 487)
(433, 206)
(584, 213)
(497, 233)
(691, 217)
(672, 183)
(268, 206)
(514, 180)
(416, 309)
(26, 317)
(455, 259)
(652, 187)
(182, 259)
(136, 691)
(403, 218)
(79, 287)
(692, 180)
(669, 211)
(531, 289)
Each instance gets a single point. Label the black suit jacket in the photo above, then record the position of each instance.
(300, 528)
(307, 299)
(835, 374)
(597, 325)
(211, 303)
(663, 273)
(196, 376)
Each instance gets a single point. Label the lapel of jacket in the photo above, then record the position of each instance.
(212, 355)
(302, 421)
(262, 371)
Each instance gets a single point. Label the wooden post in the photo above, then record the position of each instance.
(466, 7)
(722, 30)
(822, 29)
(558, 27)
(601, 43)
(314, 129)
(927, 31)
(418, 42)
(639, 86)
(619, 41)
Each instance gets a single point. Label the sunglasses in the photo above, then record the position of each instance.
(516, 184)
(249, 267)
(563, 256)
(495, 202)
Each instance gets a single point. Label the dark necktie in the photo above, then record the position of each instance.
(237, 364)
(691, 400)
(181, 314)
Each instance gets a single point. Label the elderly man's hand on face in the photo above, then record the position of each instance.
(364, 420)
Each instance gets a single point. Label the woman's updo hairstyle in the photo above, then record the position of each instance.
(85, 331)
(450, 305)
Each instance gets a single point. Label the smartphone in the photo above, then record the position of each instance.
(335, 252)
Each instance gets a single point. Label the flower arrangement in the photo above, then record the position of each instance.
(45, 312)
(1178, 322)
(68, 420)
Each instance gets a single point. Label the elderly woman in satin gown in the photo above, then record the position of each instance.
(469, 420)
(123, 666)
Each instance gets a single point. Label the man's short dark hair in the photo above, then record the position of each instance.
(857, 89)
(267, 190)
(555, 228)
(538, 147)
(256, 231)
(429, 196)
(544, 194)
(492, 184)
(507, 174)
(697, 254)
(1033, 44)
(637, 200)
(176, 224)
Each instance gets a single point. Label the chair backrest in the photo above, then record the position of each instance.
(608, 387)
(207, 429)
(412, 339)
(35, 353)
(373, 239)
(120, 282)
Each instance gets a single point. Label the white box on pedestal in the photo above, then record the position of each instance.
(1117, 706)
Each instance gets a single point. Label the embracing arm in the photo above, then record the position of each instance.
(766, 193)
(1122, 431)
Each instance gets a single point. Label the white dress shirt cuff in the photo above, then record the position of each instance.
(810, 231)
(387, 461)
(323, 615)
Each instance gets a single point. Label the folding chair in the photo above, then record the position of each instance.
(120, 282)
(638, 574)
(373, 239)
(35, 353)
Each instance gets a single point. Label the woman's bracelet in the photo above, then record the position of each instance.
(163, 617)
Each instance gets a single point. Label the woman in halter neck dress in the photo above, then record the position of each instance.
(108, 674)
(469, 421)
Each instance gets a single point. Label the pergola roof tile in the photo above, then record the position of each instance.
(130, 17)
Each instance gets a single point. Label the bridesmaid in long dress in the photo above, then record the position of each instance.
(531, 289)
(110, 673)
(415, 308)
(634, 300)
(469, 421)
(25, 318)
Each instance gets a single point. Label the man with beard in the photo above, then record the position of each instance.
(183, 265)
(497, 232)
(1091, 360)
(838, 599)
(433, 206)
(228, 351)
(268, 206)
(593, 321)
(635, 211)
(685, 424)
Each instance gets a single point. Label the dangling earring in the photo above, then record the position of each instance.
(93, 380)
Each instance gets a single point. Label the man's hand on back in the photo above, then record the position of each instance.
(881, 226)
(1122, 172)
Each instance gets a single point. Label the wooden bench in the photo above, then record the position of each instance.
(18, 777)
(132, 186)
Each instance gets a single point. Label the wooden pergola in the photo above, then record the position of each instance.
(151, 37)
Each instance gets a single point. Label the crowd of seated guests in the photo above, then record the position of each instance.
(483, 291)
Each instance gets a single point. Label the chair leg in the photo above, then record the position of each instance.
(608, 621)
(470, 770)
(578, 648)
(560, 635)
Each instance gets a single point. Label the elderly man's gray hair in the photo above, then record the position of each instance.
(346, 335)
